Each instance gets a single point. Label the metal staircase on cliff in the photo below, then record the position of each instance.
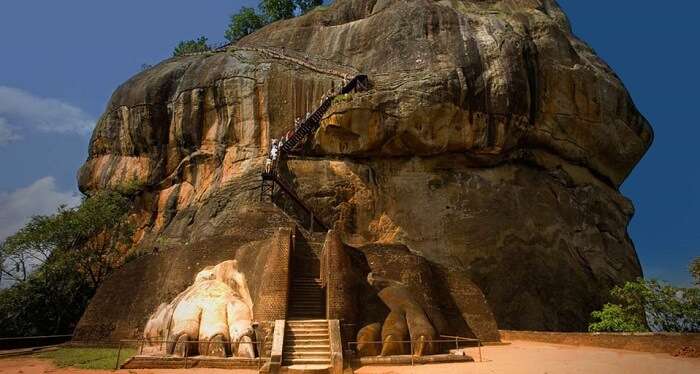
(271, 176)
(312, 123)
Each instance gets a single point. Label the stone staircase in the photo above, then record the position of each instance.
(306, 296)
(307, 342)
(306, 337)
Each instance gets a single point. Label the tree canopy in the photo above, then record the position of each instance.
(243, 23)
(275, 10)
(695, 270)
(645, 304)
(307, 5)
(57, 262)
(191, 46)
(247, 20)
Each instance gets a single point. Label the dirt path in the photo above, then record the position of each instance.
(520, 357)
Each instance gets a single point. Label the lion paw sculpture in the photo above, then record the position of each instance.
(215, 311)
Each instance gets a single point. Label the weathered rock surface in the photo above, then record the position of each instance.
(492, 143)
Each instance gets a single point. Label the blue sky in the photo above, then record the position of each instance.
(61, 60)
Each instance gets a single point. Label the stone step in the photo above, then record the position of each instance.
(307, 322)
(309, 308)
(315, 335)
(306, 361)
(308, 347)
(302, 342)
(306, 330)
(304, 324)
(308, 313)
(306, 369)
(314, 295)
(306, 287)
(306, 355)
(314, 307)
(307, 302)
(311, 305)
(310, 300)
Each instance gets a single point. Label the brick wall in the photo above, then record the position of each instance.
(274, 281)
(336, 274)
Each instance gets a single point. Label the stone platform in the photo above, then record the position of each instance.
(159, 362)
(406, 360)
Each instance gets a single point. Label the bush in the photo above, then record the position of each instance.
(342, 98)
(191, 46)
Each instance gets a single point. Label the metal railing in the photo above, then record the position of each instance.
(163, 347)
(457, 340)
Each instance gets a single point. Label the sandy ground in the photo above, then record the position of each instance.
(523, 357)
(519, 357)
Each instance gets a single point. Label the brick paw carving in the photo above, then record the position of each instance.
(212, 317)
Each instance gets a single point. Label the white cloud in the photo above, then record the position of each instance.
(20, 110)
(7, 134)
(41, 197)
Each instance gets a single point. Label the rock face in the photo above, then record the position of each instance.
(491, 143)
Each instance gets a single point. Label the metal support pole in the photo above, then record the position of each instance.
(312, 222)
(187, 351)
(481, 359)
(119, 352)
(411, 352)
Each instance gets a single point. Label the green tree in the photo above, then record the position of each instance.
(614, 318)
(275, 10)
(243, 23)
(307, 5)
(649, 303)
(191, 46)
(58, 261)
(695, 270)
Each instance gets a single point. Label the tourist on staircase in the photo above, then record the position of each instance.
(272, 158)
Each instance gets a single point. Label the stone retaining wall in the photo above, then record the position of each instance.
(642, 342)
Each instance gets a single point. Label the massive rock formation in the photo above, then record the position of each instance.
(491, 144)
